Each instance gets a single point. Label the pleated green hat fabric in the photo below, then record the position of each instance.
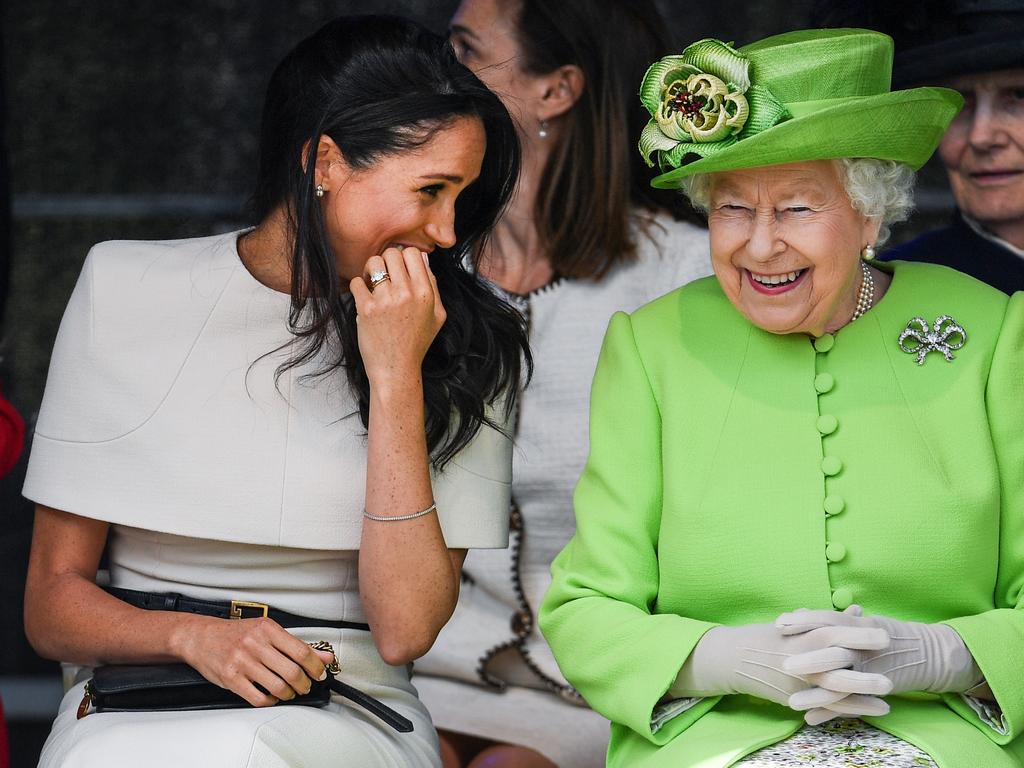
(805, 95)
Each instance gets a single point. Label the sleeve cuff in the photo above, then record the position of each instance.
(670, 709)
(988, 712)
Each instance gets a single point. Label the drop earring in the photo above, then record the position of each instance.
(319, 190)
(543, 132)
(868, 254)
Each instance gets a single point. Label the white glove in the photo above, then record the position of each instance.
(749, 659)
(920, 657)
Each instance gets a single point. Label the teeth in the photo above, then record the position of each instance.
(788, 277)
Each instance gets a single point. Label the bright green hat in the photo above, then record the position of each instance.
(815, 94)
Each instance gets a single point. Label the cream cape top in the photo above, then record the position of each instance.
(161, 412)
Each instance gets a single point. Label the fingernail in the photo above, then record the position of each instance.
(323, 675)
(426, 258)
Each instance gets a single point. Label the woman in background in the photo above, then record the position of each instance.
(585, 236)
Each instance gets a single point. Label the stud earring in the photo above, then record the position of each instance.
(543, 132)
(319, 190)
(868, 254)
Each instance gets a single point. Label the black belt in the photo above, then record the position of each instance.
(233, 609)
(243, 609)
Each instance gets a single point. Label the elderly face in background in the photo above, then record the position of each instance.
(787, 240)
(983, 151)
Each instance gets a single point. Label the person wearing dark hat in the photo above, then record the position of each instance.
(977, 48)
(806, 430)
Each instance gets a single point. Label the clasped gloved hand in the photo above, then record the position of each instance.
(751, 659)
(919, 657)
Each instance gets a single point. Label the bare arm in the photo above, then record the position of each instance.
(69, 618)
(408, 578)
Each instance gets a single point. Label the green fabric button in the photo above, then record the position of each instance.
(831, 465)
(834, 504)
(824, 343)
(842, 598)
(834, 551)
(827, 424)
(824, 382)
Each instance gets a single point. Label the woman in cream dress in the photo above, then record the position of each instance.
(214, 406)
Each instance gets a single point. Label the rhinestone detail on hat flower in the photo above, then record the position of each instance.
(701, 108)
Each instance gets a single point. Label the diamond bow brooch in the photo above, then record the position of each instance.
(945, 335)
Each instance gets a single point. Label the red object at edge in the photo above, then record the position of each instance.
(5, 757)
(12, 441)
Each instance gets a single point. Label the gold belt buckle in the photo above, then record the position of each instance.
(238, 605)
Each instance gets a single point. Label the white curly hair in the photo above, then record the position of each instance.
(879, 189)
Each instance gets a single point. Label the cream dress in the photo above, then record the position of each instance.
(162, 416)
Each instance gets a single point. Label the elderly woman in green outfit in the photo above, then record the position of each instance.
(805, 492)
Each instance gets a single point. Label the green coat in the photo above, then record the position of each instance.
(704, 502)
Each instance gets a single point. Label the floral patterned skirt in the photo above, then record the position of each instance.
(840, 744)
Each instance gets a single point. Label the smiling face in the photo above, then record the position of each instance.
(785, 245)
(406, 199)
(983, 151)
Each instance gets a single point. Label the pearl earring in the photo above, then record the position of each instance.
(319, 190)
(543, 132)
(868, 254)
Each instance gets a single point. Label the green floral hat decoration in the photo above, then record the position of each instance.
(807, 95)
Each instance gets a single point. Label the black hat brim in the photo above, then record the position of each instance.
(964, 55)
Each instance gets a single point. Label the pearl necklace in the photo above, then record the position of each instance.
(866, 294)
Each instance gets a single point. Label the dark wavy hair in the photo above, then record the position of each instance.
(595, 179)
(381, 86)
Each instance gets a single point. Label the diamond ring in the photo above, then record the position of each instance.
(377, 277)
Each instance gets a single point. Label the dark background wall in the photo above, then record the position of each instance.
(136, 119)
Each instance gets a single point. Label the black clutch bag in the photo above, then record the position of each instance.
(170, 687)
(173, 687)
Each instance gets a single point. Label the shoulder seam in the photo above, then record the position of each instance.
(643, 364)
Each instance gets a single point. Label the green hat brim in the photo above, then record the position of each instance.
(905, 126)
